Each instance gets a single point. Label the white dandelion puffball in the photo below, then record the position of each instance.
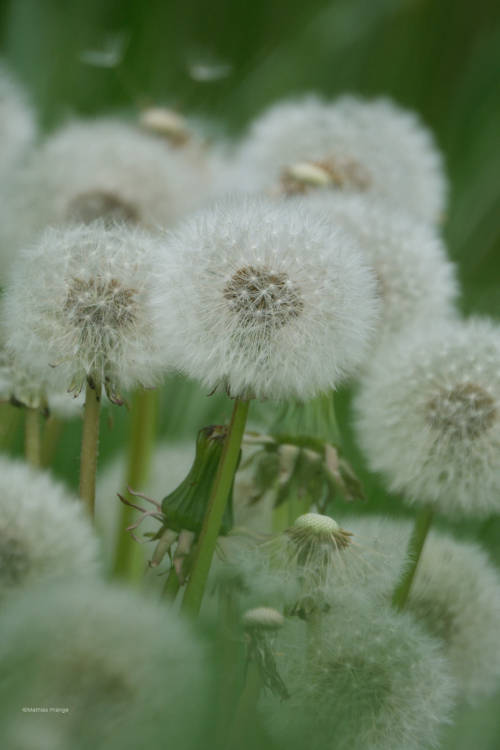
(44, 532)
(415, 278)
(371, 679)
(102, 169)
(17, 121)
(79, 303)
(428, 416)
(350, 144)
(268, 302)
(455, 594)
(130, 672)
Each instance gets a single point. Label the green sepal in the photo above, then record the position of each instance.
(185, 507)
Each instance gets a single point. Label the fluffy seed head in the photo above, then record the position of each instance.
(110, 653)
(415, 278)
(266, 301)
(428, 416)
(371, 679)
(102, 169)
(349, 145)
(79, 303)
(17, 122)
(44, 534)
(455, 595)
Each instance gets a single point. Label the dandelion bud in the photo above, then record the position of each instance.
(44, 534)
(103, 653)
(79, 305)
(372, 148)
(17, 122)
(265, 301)
(428, 416)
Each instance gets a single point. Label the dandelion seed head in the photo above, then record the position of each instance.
(455, 595)
(415, 278)
(265, 618)
(79, 305)
(349, 145)
(266, 301)
(44, 534)
(120, 646)
(99, 170)
(371, 678)
(428, 416)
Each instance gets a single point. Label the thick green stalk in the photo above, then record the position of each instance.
(415, 546)
(172, 586)
(215, 510)
(32, 440)
(128, 561)
(10, 416)
(90, 443)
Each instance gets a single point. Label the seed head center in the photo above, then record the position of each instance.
(101, 204)
(261, 296)
(338, 171)
(466, 410)
(100, 303)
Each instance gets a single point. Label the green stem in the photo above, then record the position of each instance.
(32, 441)
(129, 563)
(90, 443)
(10, 417)
(51, 434)
(172, 586)
(415, 546)
(244, 717)
(215, 509)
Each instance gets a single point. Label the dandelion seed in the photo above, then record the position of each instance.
(428, 416)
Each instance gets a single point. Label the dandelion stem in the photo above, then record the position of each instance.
(32, 440)
(128, 561)
(244, 717)
(51, 434)
(9, 422)
(215, 510)
(90, 443)
(172, 585)
(415, 546)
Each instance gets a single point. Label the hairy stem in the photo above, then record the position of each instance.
(128, 561)
(90, 443)
(215, 510)
(32, 440)
(421, 528)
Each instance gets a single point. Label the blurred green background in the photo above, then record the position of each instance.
(224, 61)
